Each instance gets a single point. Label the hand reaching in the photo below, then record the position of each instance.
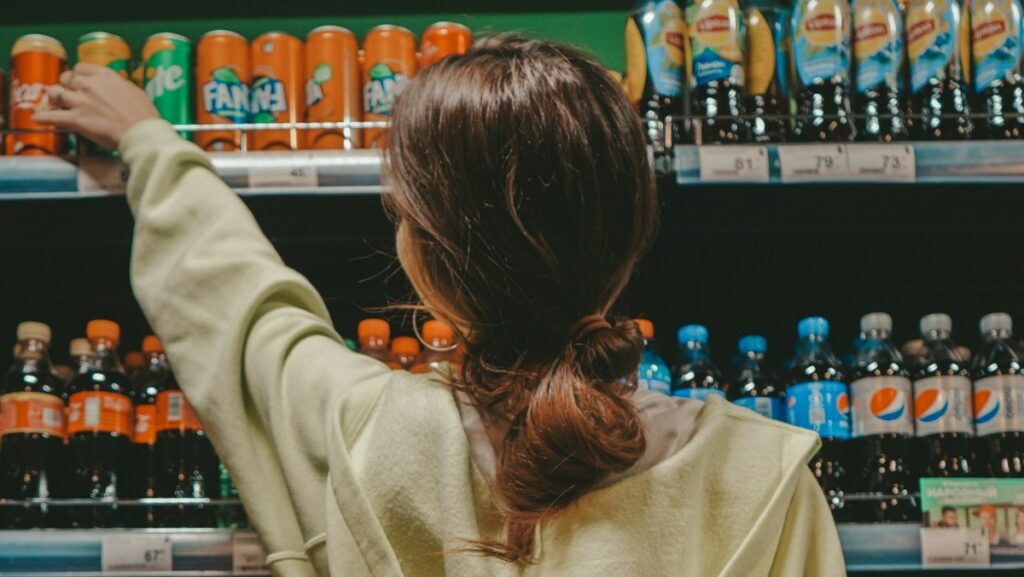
(97, 103)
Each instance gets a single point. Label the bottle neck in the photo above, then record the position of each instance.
(105, 354)
(936, 335)
(695, 351)
(877, 335)
(32, 349)
(373, 344)
(998, 334)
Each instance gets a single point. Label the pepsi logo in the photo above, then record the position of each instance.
(986, 406)
(888, 404)
(843, 404)
(930, 405)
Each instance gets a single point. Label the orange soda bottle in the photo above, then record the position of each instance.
(404, 351)
(374, 336)
(440, 349)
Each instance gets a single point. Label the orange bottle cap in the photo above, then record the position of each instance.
(405, 346)
(33, 330)
(646, 328)
(373, 329)
(103, 329)
(152, 344)
(134, 360)
(438, 331)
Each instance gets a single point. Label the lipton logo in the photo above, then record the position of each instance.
(869, 31)
(919, 29)
(716, 23)
(989, 29)
(821, 22)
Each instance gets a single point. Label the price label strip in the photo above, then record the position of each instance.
(954, 547)
(813, 162)
(283, 176)
(248, 555)
(733, 163)
(882, 162)
(136, 553)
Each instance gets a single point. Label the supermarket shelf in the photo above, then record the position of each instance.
(897, 548)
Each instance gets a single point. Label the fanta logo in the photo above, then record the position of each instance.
(716, 23)
(988, 29)
(382, 90)
(920, 29)
(930, 405)
(674, 39)
(163, 79)
(872, 30)
(33, 95)
(888, 404)
(225, 95)
(843, 404)
(821, 22)
(267, 99)
(986, 406)
(314, 86)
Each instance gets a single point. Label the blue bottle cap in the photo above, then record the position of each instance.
(812, 326)
(753, 344)
(697, 333)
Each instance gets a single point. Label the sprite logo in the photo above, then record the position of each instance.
(314, 86)
(384, 86)
(267, 99)
(226, 95)
(163, 79)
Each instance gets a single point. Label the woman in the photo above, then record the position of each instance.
(523, 198)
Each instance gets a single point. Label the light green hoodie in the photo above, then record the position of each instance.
(350, 469)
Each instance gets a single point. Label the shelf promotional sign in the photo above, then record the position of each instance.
(972, 522)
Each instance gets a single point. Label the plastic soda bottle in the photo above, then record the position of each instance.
(404, 352)
(996, 39)
(374, 337)
(878, 70)
(999, 398)
(717, 44)
(755, 386)
(696, 377)
(653, 374)
(938, 54)
(821, 60)
(767, 86)
(145, 468)
(655, 66)
(440, 348)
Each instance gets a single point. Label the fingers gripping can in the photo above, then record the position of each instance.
(389, 62)
(223, 75)
(106, 49)
(167, 61)
(36, 64)
(333, 87)
(278, 65)
(444, 39)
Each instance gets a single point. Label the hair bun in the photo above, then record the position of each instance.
(608, 354)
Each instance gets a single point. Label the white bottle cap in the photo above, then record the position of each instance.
(876, 322)
(33, 330)
(936, 322)
(995, 322)
(80, 347)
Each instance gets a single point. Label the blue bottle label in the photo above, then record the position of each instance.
(995, 40)
(877, 44)
(771, 407)
(698, 393)
(664, 32)
(654, 384)
(821, 406)
(821, 40)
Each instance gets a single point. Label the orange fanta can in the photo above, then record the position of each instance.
(278, 67)
(444, 39)
(332, 87)
(36, 64)
(222, 88)
(389, 62)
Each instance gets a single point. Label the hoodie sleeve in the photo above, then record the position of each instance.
(249, 338)
(809, 544)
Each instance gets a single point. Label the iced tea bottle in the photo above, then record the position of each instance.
(821, 61)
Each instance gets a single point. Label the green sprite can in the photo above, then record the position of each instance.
(167, 76)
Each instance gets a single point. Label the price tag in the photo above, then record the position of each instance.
(734, 163)
(102, 174)
(248, 554)
(283, 176)
(884, 162)
(136, 553)
(954, 547)
(813, 162)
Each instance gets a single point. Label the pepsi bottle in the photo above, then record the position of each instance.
(999, 399)
(145, 469)
(883, 424)
(754, 385)
(696, 377)
(817, 398)
(653, 373)
(942, 403)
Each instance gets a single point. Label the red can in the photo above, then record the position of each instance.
(223, 73)
(389, 62)
(37, 62)
(444, 39)
(333, 87)
(278, 67)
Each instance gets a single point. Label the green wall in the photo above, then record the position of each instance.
(599, 32)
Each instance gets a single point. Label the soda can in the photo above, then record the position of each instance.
(106, 49)
(389, 62)
(444, 39)
(332, 87)
(137, 75)
(167, 61)
(37, 62)
(278, 67)
(222, 87)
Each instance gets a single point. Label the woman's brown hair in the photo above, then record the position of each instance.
(524, 196)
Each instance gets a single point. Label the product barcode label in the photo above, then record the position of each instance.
(998, 404)
(53, 417)
(733, 163)
(882, 162)
(821, 406)
(882, 405)
(93, 411)
(174, 406)
(943, 405)
(813, 162)
(136, 553)
(955, 547)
